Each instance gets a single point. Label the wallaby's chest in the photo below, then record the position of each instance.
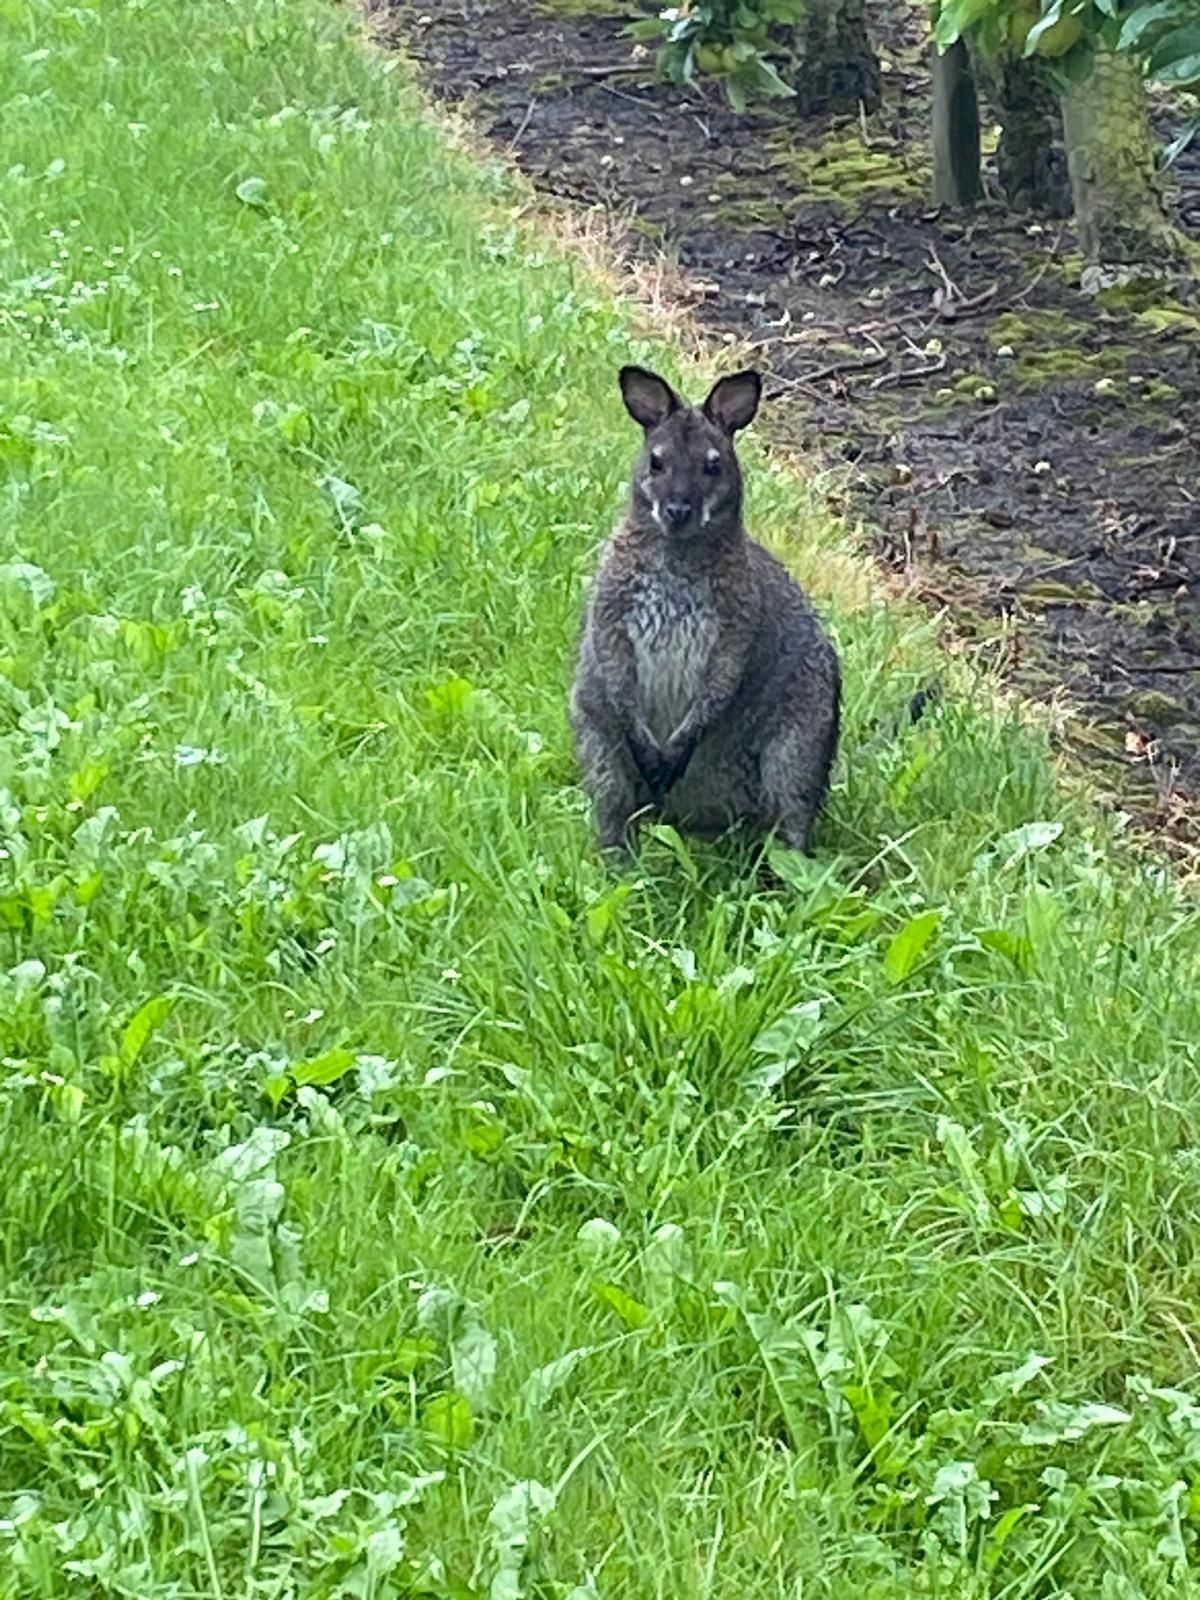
(673, 626)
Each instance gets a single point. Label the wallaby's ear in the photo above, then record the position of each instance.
(649, 399)
(732, 401)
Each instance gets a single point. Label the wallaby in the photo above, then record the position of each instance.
(706, 689)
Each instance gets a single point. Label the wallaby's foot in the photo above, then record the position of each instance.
(617, 830)
(795, 832)
(619, 791)
(617, 861)
(794, 772)
(618, 848)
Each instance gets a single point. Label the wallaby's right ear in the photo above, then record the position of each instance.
(649, 399)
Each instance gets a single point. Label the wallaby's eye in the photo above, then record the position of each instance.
(712, 463)
(656, 461)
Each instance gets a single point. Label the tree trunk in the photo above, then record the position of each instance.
(955, 128)
(1029, 160)
(838, 70)
(1115, 186)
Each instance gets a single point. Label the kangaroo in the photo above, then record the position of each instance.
(706, 690)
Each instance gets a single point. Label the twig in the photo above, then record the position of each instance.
(1040, 273)
(615, 69)
(952, 310)
(910, 374)
(621, 95)
(776, 339)
(934, 265)
(525, 121)
(795, 386)
(1129, 670)
(838, 369)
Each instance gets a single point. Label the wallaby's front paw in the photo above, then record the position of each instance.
(676, 755)
(651, 763)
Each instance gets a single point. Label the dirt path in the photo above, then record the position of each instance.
(1027, 454)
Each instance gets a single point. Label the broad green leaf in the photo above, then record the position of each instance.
(512, 1523)
(909, 944)
(1172, 1546)
(791, 1034)
(143, 1023)
(797, 870)
(665, 1261)
(1015, 946)
(873, 1411)
(412, 1353)
(450, 698)
(346, 498)
(449, 1418)
(767, 81)
(544, 1382)
(1025, 840)
(956, 18)
(1061, 1423)
(323, 1069)
(253, 192)
(1179, 74)
(473, 1359)
(1005, 1526)
(602, 914)
(631, 1312)
(276, 1086)
(1142, 20)
(31, 579)
(956, 1142)
(1005, 1385)
(88, 777)
(68, 1100)
(295, 426)
(385, 1549)
(26, 976)
(597, 1237)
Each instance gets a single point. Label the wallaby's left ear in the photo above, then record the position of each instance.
(732, 401)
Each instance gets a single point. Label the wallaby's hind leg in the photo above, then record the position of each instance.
(618, 792)
(794, 773)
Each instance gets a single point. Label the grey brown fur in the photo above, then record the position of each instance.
(706, 691)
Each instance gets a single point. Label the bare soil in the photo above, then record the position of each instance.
(1027, 454)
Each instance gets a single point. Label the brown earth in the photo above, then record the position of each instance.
(1025, 453)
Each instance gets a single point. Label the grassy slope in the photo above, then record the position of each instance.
(299, 466)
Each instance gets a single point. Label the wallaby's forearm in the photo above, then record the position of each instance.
(618, 671)
(719, 686)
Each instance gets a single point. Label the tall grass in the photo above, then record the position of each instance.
(394, 1203)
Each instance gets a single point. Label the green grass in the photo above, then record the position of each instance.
(371, 1155)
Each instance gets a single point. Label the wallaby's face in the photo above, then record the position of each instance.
(687, 482)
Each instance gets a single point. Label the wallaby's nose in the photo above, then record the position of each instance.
(679, 512)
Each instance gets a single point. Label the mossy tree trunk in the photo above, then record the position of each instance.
(955, 128)
(1115, 184)
(838, 70)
